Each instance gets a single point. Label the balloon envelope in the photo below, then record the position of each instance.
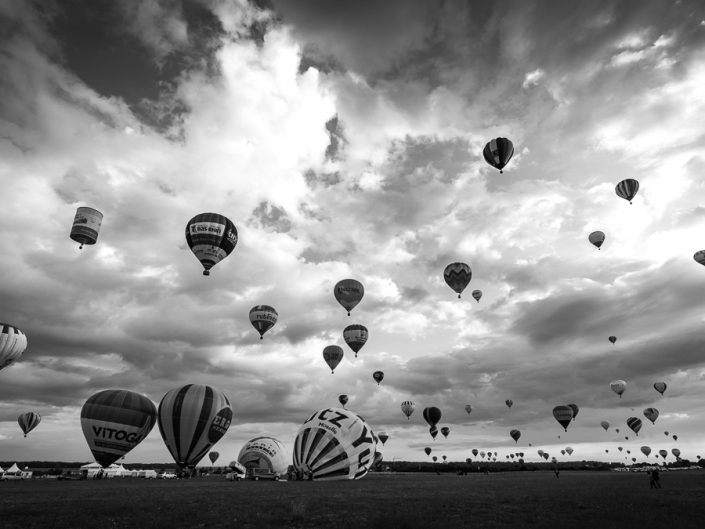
(575, 409)
(515, 434)
(407, 408)
(213, 456)
(563, 414)
(605, 425)
(114, 421)
(627, 189)
(383, 436)
(355, 336)
(432, 415)
(28, 421)
(663, 453)
(433, 430)
(676, 452)
(348, 293)
(612, 339)
(660, 387)
(618, 386)
(635, 424)
(343, 399)
(498, 152)
(266, 453)
(509, 403)
(651, 414)
(445, 431)
(646, 450)
(457, 276)
(334, 444)
(699, 257)
(332, 354)
(427, 450)
(468, 408)
(378, 376)
(597, 238)
(211, 237)
(263, 318)
(477, 294)
(569, 450)
(86, 225)
(13, 343)
(192, 419)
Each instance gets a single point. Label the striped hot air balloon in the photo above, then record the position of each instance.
(355, 336)
(498, 152)
(651, 414)
(596, 238)
(86, 225)
(699, 257)
(619, 387)
(575, 409)
(563, 414)
(211, 237)
(13, 343)
(348, 293)
(263, 318)
(28, 421)
(191, 420)
(457, 276)
(407, 408)
(334, 444)
(265, 453)
(612, 339)
(114, 421)
(635, 424)
(627, 189)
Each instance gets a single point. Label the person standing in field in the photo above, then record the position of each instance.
(654, 479)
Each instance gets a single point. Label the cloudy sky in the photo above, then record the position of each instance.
(346, 142)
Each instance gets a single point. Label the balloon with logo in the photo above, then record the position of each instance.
(575, 409)
(457, 276)
(515, 434)
(383, 436)
(192, 419)
(477, 294)
(378, 376)
(355, 336)
(618, 386)
(596, 238)
(263, 318)
(635, 424)
(334, 444)
(28, 421)
(427, 450)
(13, 342)
(433, 430)
(211, 237)
(432, 415)
(612, 339)
(651, 414)
(332, 354)
(445, 431)
(114, 421)
(213, 456)
(348, 292)
(646, 450)
(660, 387)
(627, 189)
(86, 225)
(509, 403)
(407, 408)
(343, 399)
(264, 453)
(563, 414)
(605, 425)
(498, 152)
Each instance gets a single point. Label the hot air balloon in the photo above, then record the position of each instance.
(562, 452)
(563, 414)
(675, 437)
(343, 399)
(349, 293)
(477, 294)
(665, 433)
(427, 450)
(699, 257)
(264, 453)
(627, 189)
(383, 437)
(211, 237)
(616, 430)
(635, 424)
(474, 452)
(620, 448)
(28, 421)
(263, 318)
(457, 276)
(546, 456)
(498, 152)
(432, 415)
(618, 386)
(676, 452)
(213, 456)
(114, 421)
(663, 453)
(612, 339)
(575, 409)
(192, 419)
(482, 454)
(539, 452)
(633, 459)
(407, 408)
(660, 387)
(378, 376)
(355, 336)
(515, 434)
(445, 431)
(596, 238)
(509, 403)
(569, 450)
(332, 354)
(433, 430)
(651, 414)
(646, 450)
(334, 443)
(86, 225)
(435, 458)
(468, 408)
(605, 425)
(13, 343)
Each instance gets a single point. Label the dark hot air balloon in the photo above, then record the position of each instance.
(563, 414)
(348, 292)
(86, 225)
(355, 336)
(596, 238)
(28, 421)
(332, 354)
(627, 189)
(457, 276)
(498, 152)
(343, 399)
(635, 424)
(378, 376)
(432, 415)
(515, 434)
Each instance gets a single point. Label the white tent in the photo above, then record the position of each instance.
(1, 470)
(92, 470)
(14, 468)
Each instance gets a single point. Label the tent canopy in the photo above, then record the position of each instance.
(13, 468)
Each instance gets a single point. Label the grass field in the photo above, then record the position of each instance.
(512, 499)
